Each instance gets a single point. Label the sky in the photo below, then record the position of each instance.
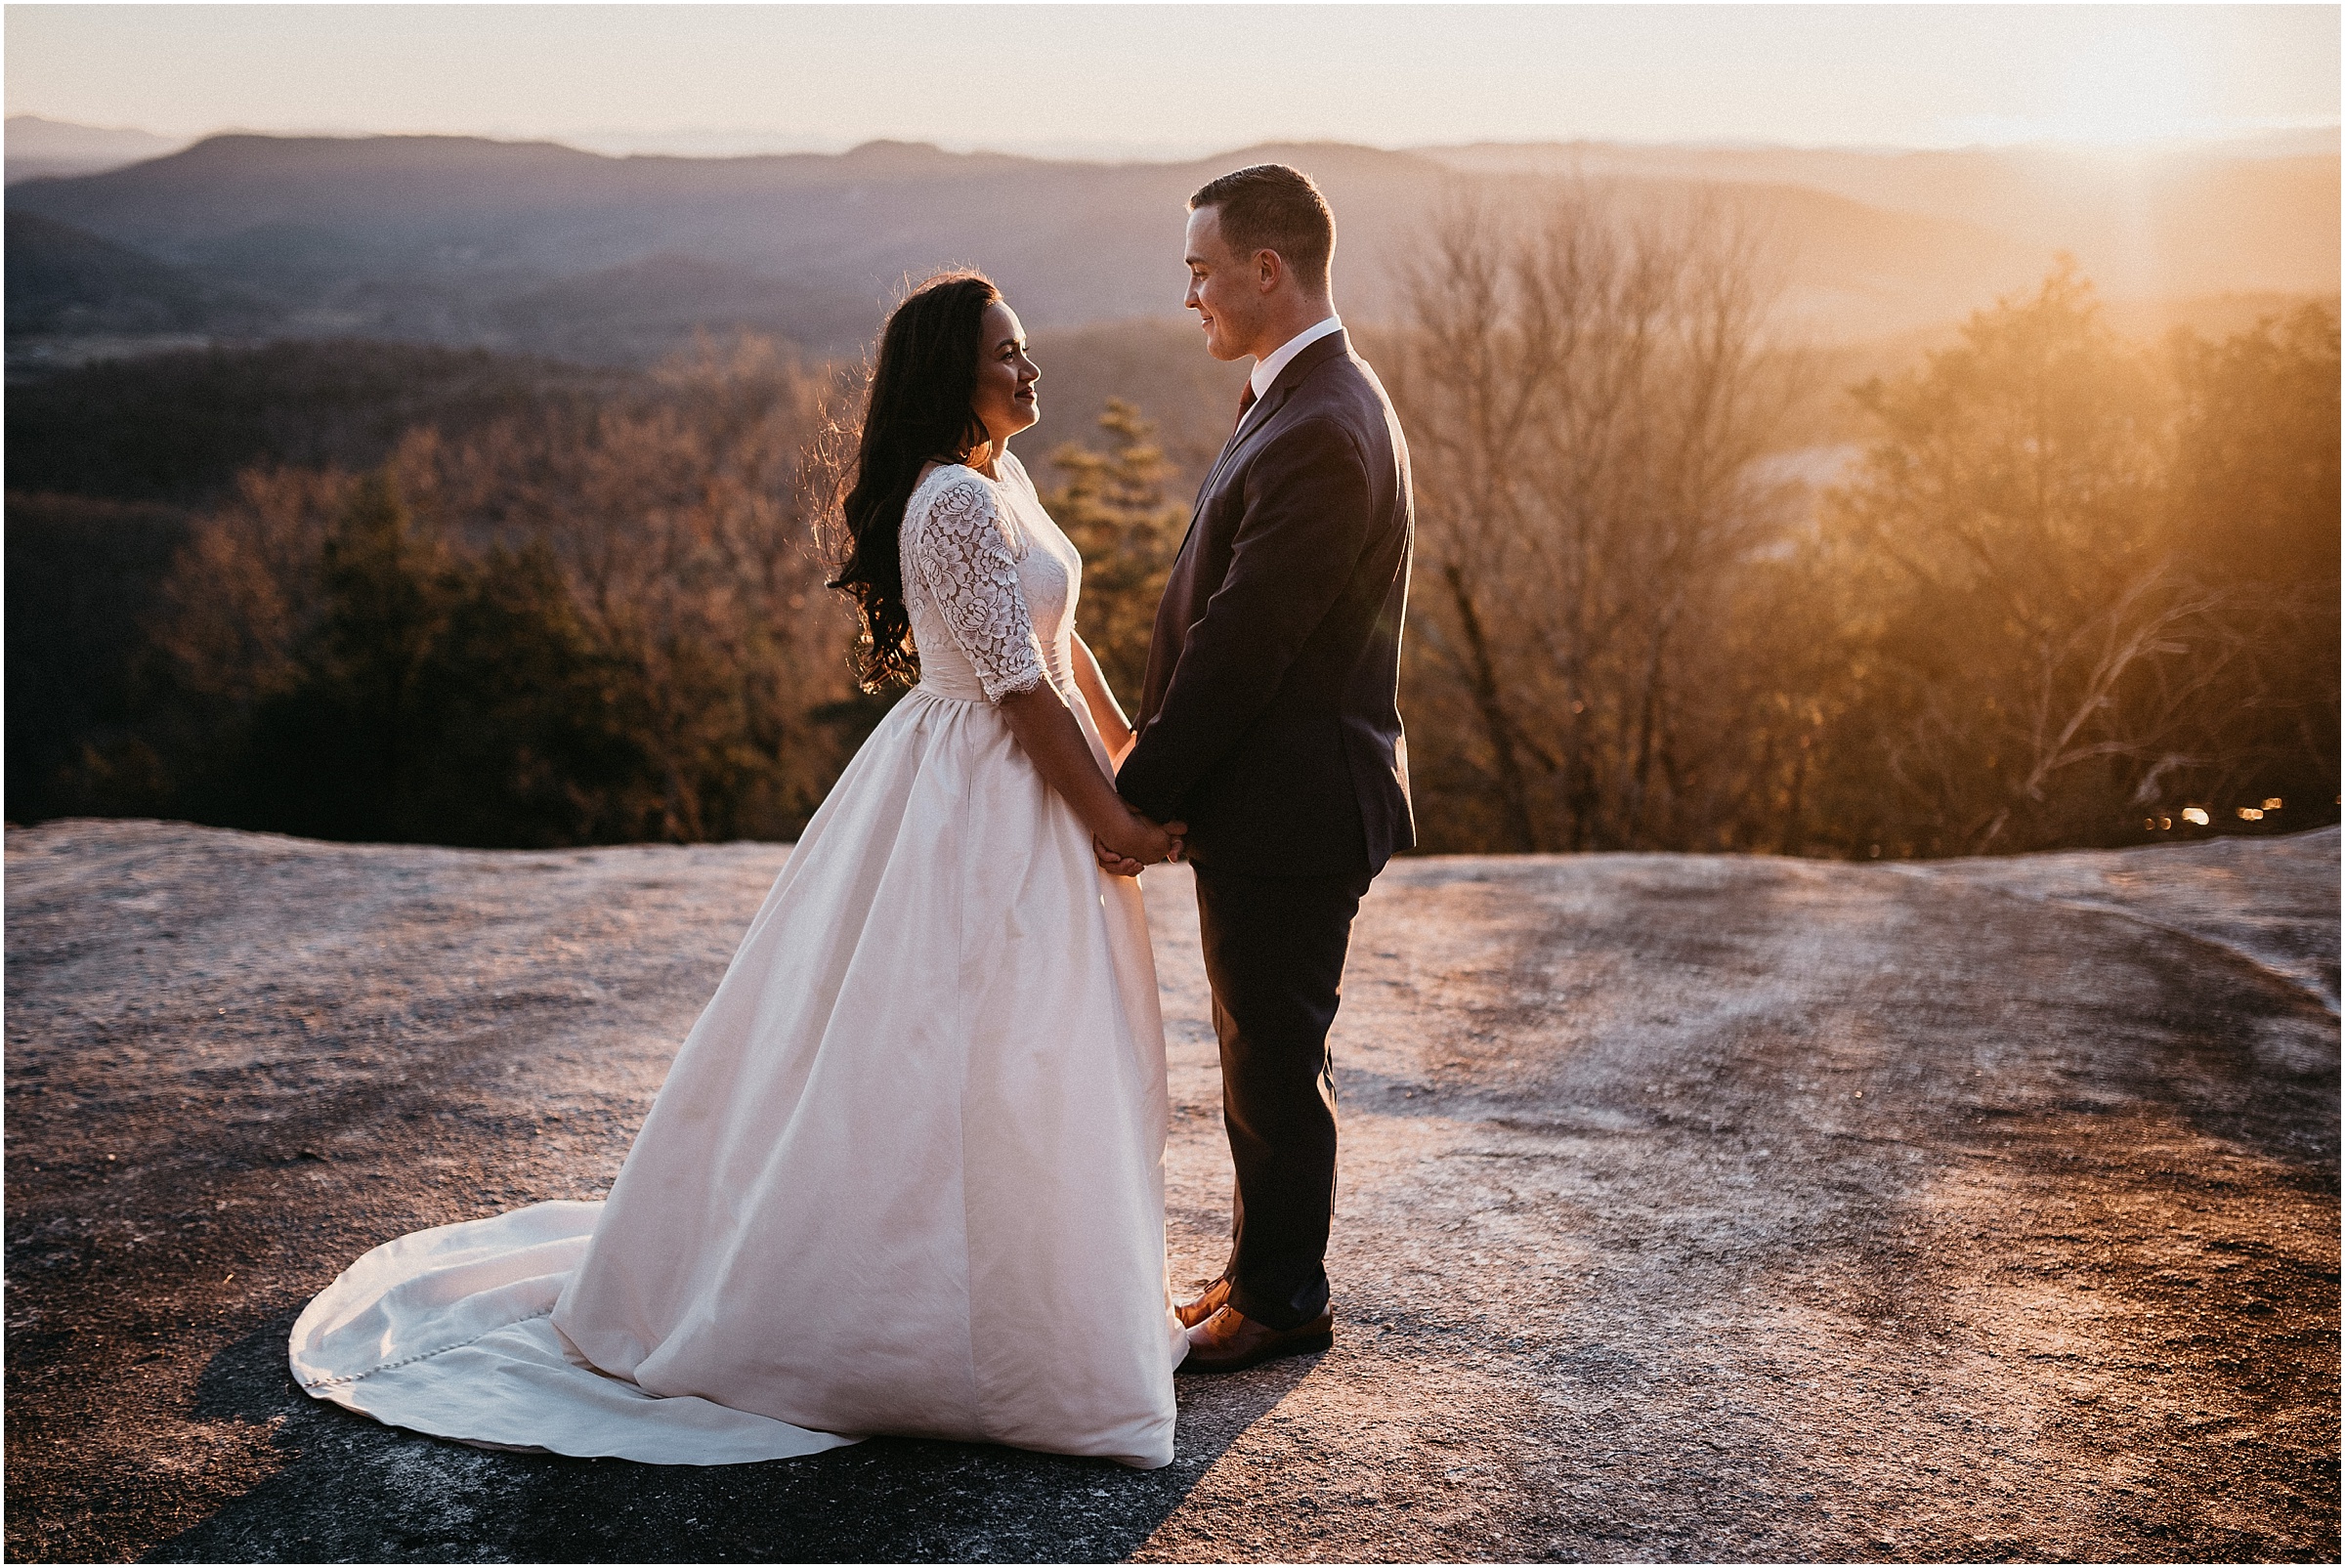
(1147, 80)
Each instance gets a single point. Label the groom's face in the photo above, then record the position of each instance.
(1223, 289)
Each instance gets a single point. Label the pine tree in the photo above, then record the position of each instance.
(333, 756)
(1112, 506)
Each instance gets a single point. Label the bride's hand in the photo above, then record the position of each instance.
(1136, 842)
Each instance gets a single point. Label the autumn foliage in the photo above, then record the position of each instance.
(2049, 586)
(2070, 589)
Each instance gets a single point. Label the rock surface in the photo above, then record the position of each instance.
(1693, 1208)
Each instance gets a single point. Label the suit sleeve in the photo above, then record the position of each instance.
(1303, 527)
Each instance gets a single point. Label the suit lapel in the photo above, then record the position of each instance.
(1257, 419)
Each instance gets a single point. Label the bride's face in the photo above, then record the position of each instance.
(1004, 397)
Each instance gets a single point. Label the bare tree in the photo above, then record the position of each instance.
(2043, 660)
(1590, 394)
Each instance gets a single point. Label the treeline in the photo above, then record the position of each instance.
(2067, 590)
(2071, 590)
(583, 622)
(175, 429)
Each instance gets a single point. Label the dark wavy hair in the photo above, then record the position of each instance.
(918, 408)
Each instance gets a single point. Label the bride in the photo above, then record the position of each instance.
(906, 1173)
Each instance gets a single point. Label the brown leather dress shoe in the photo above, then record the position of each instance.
(1231, 1341)
(1192, 1313)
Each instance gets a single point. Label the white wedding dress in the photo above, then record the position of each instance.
(906, 1173)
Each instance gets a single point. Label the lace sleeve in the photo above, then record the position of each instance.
(965, 561)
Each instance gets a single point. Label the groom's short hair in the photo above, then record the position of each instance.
(1272, 207)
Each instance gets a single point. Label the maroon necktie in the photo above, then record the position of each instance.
(1244, 402)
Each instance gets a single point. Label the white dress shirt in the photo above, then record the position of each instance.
(1268, 367)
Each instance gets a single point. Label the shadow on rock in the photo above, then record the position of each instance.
(352, 1489)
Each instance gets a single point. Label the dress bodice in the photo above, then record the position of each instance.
(990, 583)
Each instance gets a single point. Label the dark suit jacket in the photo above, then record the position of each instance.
(1270, 721)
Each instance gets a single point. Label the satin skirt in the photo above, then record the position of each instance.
(906, 1175)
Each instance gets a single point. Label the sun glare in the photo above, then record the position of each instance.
(2128, 88)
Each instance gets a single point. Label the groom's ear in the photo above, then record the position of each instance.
(1269, 268)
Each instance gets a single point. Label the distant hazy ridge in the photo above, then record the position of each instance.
(540, 248)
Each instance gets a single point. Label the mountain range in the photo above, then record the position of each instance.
(41, 148)
(545, 248)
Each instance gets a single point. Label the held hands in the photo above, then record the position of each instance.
(1137, 842)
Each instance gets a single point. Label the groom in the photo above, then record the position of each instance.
(1269, 725)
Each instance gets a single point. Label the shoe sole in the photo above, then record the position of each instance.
(1307, 1344)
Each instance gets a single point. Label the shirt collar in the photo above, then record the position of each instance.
(1268, 367)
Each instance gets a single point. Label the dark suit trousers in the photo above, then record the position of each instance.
(1274, 954)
